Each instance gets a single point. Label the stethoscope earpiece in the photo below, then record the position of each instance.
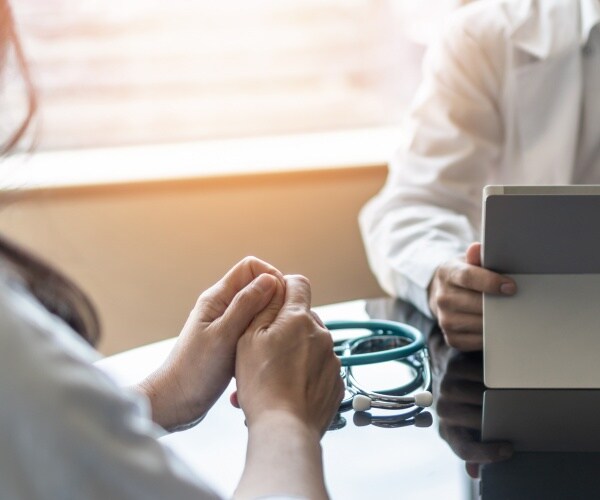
(424, 399)
(360, 402)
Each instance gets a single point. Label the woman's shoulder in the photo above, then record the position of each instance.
(26, 326)
(67, 421)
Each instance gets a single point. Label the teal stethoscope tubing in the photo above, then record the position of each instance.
(414, 337)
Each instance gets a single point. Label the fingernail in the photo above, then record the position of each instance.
(508, 288)
(264, 282)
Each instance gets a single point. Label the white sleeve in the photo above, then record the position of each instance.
(66, 430)
(429, 210)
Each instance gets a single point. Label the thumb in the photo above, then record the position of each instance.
(474, 254)
(247, 303)
(271, 311)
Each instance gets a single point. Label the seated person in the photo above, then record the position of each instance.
(67, 431)
(508, 97)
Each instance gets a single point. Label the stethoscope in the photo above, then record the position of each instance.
(387, 341)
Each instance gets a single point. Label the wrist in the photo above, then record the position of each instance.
(283, 419)
(284, 458)
(431, 294)
(148, 388)
(166, 411)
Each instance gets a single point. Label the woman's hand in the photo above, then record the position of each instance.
(285, 362)
(201, 364)
(289, 387)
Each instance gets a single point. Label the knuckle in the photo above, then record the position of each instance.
(453, 275)
(324, 338)
(338, 365)
(445, 389)
(205, 296)
(461, 449)
(443, 431)
(296, 313)
(318, 319)
(446, 322)
(300, 278)
(330, 365)
(451, 332)
(463, 277)
(444, 299)
(249, 260)
(441, 409)
(453, 341)
(327, 338)
(300, 319)
(340, 394)
(444, 271)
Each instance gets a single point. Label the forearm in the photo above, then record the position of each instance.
(283, 458)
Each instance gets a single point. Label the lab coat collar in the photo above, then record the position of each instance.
(544, 28)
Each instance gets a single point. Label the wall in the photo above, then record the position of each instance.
(144, 251)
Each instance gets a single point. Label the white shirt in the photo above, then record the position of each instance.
(509, 96)
(67, 432)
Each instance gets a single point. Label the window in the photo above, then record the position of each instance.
(120, 72)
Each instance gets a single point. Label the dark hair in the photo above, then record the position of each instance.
(54, 291)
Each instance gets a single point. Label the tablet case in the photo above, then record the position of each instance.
(548, 240)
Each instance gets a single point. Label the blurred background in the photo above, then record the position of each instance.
(173, 138)
(140, 71)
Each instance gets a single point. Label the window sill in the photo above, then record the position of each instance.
(356, 148)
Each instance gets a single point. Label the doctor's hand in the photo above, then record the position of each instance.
(201, 364)
(456, 296)
(289, 387)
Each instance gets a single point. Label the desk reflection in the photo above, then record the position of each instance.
(522, 444)
(543, 476)
(557, 445)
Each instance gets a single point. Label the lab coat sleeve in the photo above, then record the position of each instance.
(429, 210)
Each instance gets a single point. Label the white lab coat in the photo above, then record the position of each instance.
(499, 104)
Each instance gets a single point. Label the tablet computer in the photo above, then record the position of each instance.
(547, 238)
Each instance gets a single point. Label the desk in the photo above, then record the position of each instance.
(383, 463)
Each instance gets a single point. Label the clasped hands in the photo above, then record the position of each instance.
(257, 325)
